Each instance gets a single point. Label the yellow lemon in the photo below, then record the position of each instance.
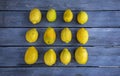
(50, 57)
(49, 36)
(32, 35)
(81, 55)
(65, 56)
(82, 36)
(31, 55)
(51, 15)
(82, 17)
(66, 35)
(68, 15)
(35, 16)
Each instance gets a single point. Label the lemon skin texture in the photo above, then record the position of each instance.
(82, 36)
(49, 36)
(32, 35)
(82, 17)
(65, 56)
(81, 55)
(66, 35)
(50, 57)
(51, 15)
(31, 55)
(68, 15)
(35, 16)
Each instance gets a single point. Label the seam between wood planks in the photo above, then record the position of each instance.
(56, 10)
(59, 66)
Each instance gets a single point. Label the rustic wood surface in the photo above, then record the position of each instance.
(102, 19)
(60, 5)
(97, 36)
(103, 45)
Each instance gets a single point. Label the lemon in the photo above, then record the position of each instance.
(81, 55)
(65, 56)
(82, 17)
(50, 57)
(49, 36)
(32, 35)
(51, 15)
(66, 35)
(31, 55)
(35, 16)
(82, 36)
(68, 15)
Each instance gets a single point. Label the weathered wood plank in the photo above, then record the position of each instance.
(60, 5)
(14, 14)
(61, 71)
(98, 56)
(97, 36)
(96, 19)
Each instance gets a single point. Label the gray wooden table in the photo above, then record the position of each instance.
(103, 45)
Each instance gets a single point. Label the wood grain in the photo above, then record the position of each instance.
(97, 37)
(104, 19)
(60, 5)
(58, 71)
(103, 45)
(98, 56)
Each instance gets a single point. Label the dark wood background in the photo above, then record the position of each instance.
(103, 45)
